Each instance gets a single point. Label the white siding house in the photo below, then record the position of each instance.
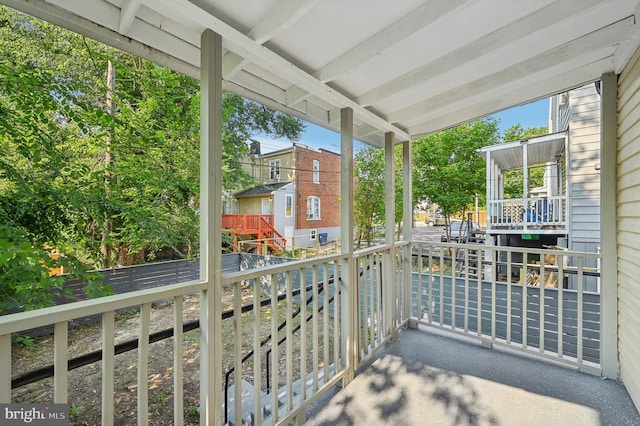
(628, 220)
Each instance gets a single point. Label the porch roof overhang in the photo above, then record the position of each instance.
(410, 67)
(540, 150)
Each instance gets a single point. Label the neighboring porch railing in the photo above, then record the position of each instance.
(260, 225)
(527, 213)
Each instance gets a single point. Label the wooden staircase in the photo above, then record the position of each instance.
(259, 226)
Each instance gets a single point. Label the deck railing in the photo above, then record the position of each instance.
(539, 305)
(527, 213)
(343, 319)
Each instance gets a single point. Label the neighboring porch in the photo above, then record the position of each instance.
(539, 210)
(258, 230)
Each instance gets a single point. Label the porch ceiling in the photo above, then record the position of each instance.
(540, 150)
(411, 67)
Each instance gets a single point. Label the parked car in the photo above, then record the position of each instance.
(436, 219)
(461, 232)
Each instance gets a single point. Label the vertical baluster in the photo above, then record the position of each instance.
(479, 301)
(237, 351)
(441, 298)
(143, 364)
(303, 332)
(430, 284)
(560, 306)
(5, 367)
(371, 286)
(108, 367)
(178, 371)
(257, 350)
(493, 297)
(419, 290)
(509, 295)
(60, 355)
(467, 283)
(289, 341)
(314, 323)
(325, 322)
(525, 303)
(275, 367)
(580, 309)
(336, 320)
(542, 285)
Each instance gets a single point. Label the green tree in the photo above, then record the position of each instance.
(513, 180)
(55, 130)
(447, 169)
(368, 194)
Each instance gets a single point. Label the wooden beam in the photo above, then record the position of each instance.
(375, 46)
(245, 47)
(589, 48)
(128, 13)
(494, 49)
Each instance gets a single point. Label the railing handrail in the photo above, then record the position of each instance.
(15, 323)
(563, 253)
(233, 277)
(520, 199)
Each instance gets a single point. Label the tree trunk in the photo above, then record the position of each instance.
(105, 247)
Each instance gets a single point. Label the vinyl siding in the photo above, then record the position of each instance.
(584, 165)
(628, 238)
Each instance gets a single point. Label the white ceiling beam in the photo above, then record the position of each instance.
(263, 57)
(296, 95)
(387, 38)
(605, 38)
(89, 28)
(128, 13)
(543, 18)
(279, 18)
(508, 97)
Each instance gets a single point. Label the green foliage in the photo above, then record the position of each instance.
(447, 169)
(368, 203)
(56, 187)
(513, 179)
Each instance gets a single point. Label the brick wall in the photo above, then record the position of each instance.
(328, 188)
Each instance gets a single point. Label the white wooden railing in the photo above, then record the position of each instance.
(296, 332)
(301, 327)
(527, 213)
(465, 289)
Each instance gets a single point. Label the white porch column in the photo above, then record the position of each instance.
(349, 347)
(210, 228)
(407, 223)
(389, 265)
(608, 227)
(489, 187)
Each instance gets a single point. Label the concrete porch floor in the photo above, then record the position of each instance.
(430, 379)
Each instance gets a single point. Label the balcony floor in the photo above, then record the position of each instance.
(429, 379)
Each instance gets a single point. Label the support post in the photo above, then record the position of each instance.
(407, 223)
(608, 228)
(349, 286)
(210, 226)
(389, 265)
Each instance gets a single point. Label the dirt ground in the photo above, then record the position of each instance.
(85, 383)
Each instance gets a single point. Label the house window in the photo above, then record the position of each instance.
(288, 205)
(313, 233)
(313, 208)
(316, 171)
(274, 169)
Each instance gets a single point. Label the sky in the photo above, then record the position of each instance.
(534, 114)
